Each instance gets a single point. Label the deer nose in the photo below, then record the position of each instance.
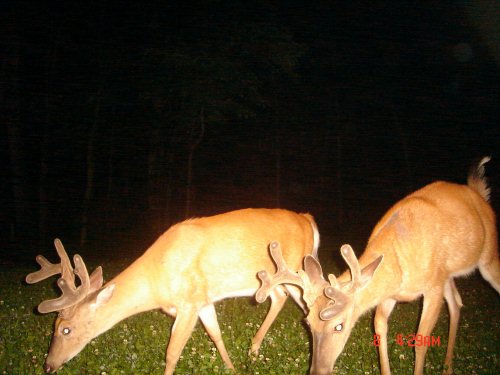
(47, 368)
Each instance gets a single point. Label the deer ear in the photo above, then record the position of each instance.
(103, 296)
(313, 270)
(96, 279)
(368, 271)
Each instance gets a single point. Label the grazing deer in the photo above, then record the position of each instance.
(190, 267)
(422, 243)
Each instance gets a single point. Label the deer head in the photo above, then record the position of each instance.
(74, 303)
(330, 303)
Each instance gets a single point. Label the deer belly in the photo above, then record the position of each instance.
(407, 296)
(249, 292)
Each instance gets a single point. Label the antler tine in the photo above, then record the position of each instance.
(47, 269)
(351, 260)
(333, 280)
(81, 272)
(282, 276)
(60, 303)
(50, 269)
(71, 295)
(66, 268)
(340, 300)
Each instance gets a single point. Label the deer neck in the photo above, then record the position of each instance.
(132, 294)
(385, 283)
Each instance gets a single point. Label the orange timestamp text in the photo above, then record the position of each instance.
(412, 340)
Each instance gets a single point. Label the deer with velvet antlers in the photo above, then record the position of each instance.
(420, 245)
(191, 266)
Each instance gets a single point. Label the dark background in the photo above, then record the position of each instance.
(120, 118)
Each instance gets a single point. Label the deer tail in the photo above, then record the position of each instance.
(476, 179)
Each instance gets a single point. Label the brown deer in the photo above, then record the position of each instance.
(422, 243)
(191, 266)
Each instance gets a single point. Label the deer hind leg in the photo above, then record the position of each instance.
(454, 304)
(382, 313)
(278, 299)
(208, 317)
(181, 331)
(489, 266)
(430, 313)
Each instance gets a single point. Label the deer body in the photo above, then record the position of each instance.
(191, 266)
(439, 232)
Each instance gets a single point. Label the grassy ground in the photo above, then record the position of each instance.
(137, 345)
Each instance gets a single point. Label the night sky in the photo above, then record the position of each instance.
(121, 118)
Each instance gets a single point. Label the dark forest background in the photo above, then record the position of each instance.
(122, 118)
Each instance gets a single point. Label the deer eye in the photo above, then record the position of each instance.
(339, 327)
(66, 331)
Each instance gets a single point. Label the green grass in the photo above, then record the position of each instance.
(137, 345)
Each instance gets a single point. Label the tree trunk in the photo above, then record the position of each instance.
(403, 139)
(17, 180)
(340, 187)
(89, 187)
(42, 188)
(192, 147)
(154, 163)
(278, 147)
(277, 177)
(21, 224)
(110, 176)
(44, 145)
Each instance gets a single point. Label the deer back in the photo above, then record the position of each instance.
(203, 260)
(434, 233)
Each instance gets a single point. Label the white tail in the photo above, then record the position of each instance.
(190, 267)
(439, 232)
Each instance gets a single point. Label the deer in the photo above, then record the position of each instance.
(192, 265)
(440, 232)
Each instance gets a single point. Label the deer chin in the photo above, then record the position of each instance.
(59, 355)
(53, 365)
(49, 368)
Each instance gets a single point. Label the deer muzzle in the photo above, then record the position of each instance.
(48, 368)
(324, 356)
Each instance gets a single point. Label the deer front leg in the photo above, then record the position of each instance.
(181, 331)
(278, 299)
(208, 317)
(382, 314)
(430, 314)
(454, 304)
